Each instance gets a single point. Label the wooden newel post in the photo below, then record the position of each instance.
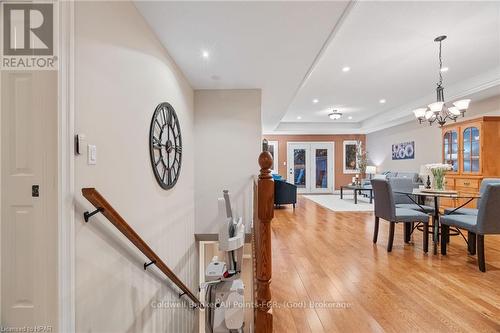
(265, 195)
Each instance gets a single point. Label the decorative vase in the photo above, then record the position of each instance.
(438, 179)
(438, 172)
(439, 183)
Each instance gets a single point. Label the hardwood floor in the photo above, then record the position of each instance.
(325, 256)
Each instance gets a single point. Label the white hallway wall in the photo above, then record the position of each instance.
(122, 73)
(427, 139)
(228, 133)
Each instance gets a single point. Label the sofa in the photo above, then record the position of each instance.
(284, 193)
(400, 181)
(414, 176)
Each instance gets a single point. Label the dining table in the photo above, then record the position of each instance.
(418, 196)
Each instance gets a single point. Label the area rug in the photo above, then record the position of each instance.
(334, 203)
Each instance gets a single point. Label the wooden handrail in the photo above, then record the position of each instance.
(262, 243)
(96, 199)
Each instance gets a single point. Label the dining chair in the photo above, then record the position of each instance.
(486, 222)
(473, 211)
(386, 209)
(402, 200)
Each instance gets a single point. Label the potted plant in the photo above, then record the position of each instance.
(362, 159)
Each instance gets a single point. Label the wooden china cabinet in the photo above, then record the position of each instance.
(472, 147)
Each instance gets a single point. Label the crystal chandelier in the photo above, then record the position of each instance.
(439, 112)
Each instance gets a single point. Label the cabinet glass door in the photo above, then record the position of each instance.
(450, 146)
(471, 150)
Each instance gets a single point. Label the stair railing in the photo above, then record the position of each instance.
(102, 206)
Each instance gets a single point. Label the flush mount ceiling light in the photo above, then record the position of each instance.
(315, 101)
(439, 112)
(346, 69)
(382, 101)
(299, 117)
(205, 54)
(335, 115)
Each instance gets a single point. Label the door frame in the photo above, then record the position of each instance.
(65, 172)
(308, 173)
(65, 169)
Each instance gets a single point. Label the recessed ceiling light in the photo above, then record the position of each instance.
(350, 117)
(444, 69)
(205, 54)
(299, 117)
(315, 101)
(346, 69)
(382, 101)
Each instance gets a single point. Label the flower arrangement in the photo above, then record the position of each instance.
(361, 157)
(438, 171)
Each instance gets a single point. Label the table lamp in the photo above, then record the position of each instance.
(371, 170)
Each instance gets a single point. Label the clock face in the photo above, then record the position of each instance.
(165, 145)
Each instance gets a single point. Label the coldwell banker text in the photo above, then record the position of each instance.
(28, 36)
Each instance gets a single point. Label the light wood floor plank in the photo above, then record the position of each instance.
(324, 256)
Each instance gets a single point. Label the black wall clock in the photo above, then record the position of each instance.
(165, 145)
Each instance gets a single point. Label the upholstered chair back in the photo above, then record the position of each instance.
(404, 185)
(488, 218)
(384, 199)
(482, 188)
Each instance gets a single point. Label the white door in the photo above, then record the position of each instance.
(299, 172)
(28, 219)
(321, 168)
(310, 166)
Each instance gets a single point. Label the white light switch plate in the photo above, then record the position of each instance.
(91, 155)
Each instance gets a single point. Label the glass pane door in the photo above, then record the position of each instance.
(450, 146)
(299, 166)
(321, 168)
(322, 162)
(471, 150)
(474, 155)
(310, 166)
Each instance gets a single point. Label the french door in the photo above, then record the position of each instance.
(310, 166)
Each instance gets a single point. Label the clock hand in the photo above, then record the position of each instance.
(158, 145)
